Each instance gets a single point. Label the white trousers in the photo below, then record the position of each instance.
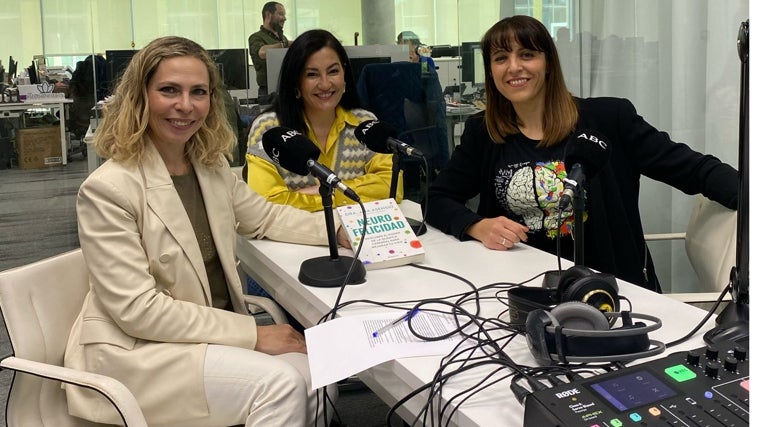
(256, 389)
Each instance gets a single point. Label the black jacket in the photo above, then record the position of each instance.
(614, 238)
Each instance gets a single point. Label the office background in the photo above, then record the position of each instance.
(675, 60)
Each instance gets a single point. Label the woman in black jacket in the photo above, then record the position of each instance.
(511, 155)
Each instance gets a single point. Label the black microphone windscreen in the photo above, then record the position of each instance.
(589, 149)
(289, 149)
(374, 134)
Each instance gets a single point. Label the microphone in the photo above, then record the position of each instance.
(324, 174)
(585, 155)
(294, 152)
(381, 138)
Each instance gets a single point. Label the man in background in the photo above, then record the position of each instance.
(417, 51)
(268, 37)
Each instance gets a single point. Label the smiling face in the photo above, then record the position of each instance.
(519, 74)
(179, 99)
(322, 82)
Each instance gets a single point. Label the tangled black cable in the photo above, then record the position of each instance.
(483, 343)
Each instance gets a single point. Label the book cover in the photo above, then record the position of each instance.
(390, 240)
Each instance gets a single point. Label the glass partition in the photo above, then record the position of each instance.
(676, 61)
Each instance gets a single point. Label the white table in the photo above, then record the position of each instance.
(52, 103)
(275, 266)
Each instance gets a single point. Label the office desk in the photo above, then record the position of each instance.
(52, 103)
(456, 115)
(275, 266)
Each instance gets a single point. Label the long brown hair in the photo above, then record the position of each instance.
(560, 109)
(122, 134)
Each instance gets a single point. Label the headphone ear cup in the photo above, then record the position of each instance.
(596, 289)
(579, 315)
(536, 335)
(570, 276)
(575, 332)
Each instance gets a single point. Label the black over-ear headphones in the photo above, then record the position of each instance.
(575, 332)
(578, 283)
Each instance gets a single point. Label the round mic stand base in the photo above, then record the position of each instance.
(328, 272)
(732, 325)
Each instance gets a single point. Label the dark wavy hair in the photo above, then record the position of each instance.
(287, 105)
(560, 111)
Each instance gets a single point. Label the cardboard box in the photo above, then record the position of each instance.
(39, 147)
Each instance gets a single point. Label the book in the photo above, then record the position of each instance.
(390, 240)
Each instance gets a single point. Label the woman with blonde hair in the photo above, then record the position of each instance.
(158, 220)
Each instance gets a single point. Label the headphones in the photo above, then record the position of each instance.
(575, 332)
(578, 283)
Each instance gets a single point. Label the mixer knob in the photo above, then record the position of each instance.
(692, 358)
(712, 368)
(711, 353)
(740, 352)
(730, 364)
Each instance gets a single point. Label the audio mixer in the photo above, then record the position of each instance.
(708, 386)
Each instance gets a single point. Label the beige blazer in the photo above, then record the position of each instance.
(148, 315)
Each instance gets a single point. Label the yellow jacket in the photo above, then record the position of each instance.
(366, 172)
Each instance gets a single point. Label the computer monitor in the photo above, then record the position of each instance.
(358, 55)
(444, 50)
(467, 52)
(357, 64)
(34, 78)
(12, 70)
(116, 62)
(233, 67)
(479, 71)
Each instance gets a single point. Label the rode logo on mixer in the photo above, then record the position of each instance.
(567, 393)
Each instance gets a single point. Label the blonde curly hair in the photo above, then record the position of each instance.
(121, 135)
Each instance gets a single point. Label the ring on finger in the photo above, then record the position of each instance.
(504, 241)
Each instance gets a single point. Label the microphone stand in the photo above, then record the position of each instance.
(330, 271)
(732, 324)
(418, 227)
(551, 278)
(579, 208)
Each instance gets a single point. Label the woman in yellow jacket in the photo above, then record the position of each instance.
(317, 97)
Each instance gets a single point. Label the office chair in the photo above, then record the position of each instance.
(710, 243)
(411, 101)
(39, 303)
(87, 86)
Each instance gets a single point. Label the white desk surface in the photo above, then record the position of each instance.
(34, 104)
(275, 266)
